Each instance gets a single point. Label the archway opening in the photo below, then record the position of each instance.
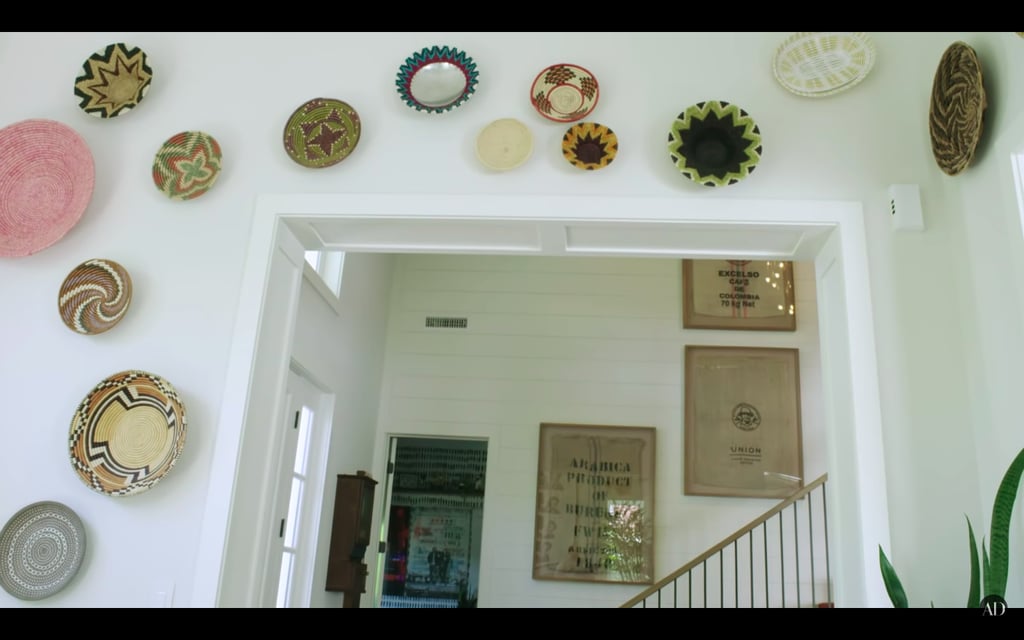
(830, 234)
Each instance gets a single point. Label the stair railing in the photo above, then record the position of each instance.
(786, 548)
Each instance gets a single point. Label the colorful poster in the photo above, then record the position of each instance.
(439, 547)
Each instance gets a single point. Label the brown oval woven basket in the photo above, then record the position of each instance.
(956, 116)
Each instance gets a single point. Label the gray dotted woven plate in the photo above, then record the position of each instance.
(41, 550)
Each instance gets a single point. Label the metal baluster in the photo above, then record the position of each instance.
(782, 564)
(689, 589)
(704, 570)
(796, 554)
(735, 574)
(675, 593)
(828, 572)
(810, 533)
(750, 541)
(764, 536)
(721, 579)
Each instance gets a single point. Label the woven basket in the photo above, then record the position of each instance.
(322, 132)
(564, 92)
(816, 64)
(114, 80)
(187, 165)
(504, 144)
(47, 175)
(41, 550)
(957, 112)
(95, 296)
(715, 143)
(127, 433)
(589, 145)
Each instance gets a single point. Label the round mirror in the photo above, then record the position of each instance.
(438, 84)
(437, 79)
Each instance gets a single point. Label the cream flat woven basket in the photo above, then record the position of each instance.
(816, 64)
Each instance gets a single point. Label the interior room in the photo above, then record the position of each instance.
(457, 269)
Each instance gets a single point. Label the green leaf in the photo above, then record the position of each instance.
(893, 586)
(986, 567)
(1002, 510)
(974, 594)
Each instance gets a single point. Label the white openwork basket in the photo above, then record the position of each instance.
(823, 63)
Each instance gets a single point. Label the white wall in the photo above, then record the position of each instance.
(345, 354)
(989, 220)
(571, 340)
(947, 362)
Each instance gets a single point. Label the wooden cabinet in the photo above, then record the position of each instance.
(350, 535)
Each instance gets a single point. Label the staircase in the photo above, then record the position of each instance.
(780, 559)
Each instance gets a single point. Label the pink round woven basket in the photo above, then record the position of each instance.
(47, 175)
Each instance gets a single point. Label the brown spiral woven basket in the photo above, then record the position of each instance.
(95, 296)
(957, 110)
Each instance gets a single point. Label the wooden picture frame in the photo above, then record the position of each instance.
(741, 422)
(739, 294)
(595, 504)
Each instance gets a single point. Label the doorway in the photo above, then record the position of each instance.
(828, 233)
(432, 523)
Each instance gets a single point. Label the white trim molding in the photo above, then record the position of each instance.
(828, 233)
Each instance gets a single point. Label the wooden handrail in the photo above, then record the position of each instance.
(764, 517)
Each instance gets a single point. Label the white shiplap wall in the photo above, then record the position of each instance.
(566, 339)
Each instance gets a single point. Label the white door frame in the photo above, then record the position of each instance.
(303, 391)
(829, 233)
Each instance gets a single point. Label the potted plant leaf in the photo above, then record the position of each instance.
(991, 570)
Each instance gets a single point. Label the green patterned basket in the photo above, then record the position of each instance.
(714, 143)
(322, 132)
(187, 165)
(114, 80)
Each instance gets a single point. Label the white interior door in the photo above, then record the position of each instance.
(288, 572)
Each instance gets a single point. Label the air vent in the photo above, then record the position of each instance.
(447, 323)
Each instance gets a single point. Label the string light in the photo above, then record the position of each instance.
(773, 279)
